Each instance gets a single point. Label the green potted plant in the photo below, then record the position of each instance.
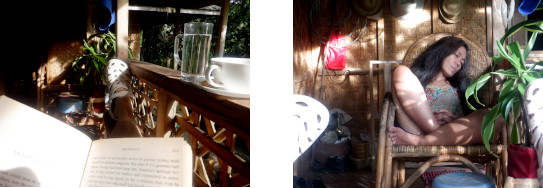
(516, 79)
(98, 49)
(510, 99)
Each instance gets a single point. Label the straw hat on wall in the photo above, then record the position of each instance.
(402, 8)
(372, 9)
(452, 11)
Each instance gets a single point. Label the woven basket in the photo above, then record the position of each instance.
(359, 163)
(360, 146)
(360, 149)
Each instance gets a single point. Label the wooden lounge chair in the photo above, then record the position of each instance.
(391, 158)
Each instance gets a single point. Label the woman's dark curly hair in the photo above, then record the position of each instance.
(428, 63)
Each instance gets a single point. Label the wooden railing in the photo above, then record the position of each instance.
(218, 126)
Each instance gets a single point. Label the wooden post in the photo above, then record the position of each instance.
(40, 86)
(122, 29)
(497, 25)
(489, 28)
(165, 113)
(388, 146)
(401, 172)
(394, 173)
(380, 171)
(372, 121)
(387, 87)
(223, 23)
(90, 29)
(380, 55)
(380, 35)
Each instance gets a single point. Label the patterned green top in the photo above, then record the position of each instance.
(444, 98)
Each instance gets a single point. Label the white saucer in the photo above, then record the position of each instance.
(222, 92)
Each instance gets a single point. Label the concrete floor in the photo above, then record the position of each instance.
(350, 178)
(365, 178)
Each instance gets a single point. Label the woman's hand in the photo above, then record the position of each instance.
(444, 116)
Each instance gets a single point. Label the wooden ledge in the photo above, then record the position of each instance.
(232, 113)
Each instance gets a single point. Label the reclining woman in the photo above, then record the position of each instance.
(430, 102)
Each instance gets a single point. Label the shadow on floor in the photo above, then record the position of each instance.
(365, 178)
(351, 177)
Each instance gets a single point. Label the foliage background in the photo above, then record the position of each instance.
(158, 40)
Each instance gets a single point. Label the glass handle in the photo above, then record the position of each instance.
(176, 48)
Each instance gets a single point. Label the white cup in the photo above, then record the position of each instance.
(231, 74)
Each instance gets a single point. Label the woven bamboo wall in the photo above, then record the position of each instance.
(352, 96)
(59, 60)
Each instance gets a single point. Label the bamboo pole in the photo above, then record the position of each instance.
(381, 142)
(388, 144)
(401, 175)
(122, 29)
(394, 173)
(223, 23)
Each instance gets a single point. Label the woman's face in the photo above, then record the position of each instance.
(453, 63)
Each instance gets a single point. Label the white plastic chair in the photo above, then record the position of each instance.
(310, 120)
(533, 103)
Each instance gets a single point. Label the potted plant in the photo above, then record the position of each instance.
(516, 79)
(98, 49)
(510, 99)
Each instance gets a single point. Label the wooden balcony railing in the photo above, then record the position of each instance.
(218, 126)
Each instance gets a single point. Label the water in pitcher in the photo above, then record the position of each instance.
(195, 55)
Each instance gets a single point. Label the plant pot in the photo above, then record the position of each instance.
(522, 162)
(98, 99)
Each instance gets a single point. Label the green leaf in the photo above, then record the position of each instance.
(518, 27)
(497, 59)
(76, 60)
(505, 103)
(507, 88)
(81, 80)
(529, 46)
(516, 108)
(511, 73)
(521, 88)
(96, 65)
(514, 134)
(476, 85)
(516, 56)
(488, 125)
(87, 47)
(529, 78)
(502, 51)
(533, 29)
(537, 28)
(102, 60)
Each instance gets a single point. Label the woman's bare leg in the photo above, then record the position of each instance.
(125, 126)
(118, 80)
(413, 112)
(464, 130)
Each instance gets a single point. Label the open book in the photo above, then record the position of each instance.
(39, 150)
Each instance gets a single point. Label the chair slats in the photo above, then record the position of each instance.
(472, 150)
(391, 158)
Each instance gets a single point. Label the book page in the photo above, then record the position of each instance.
(146, 162)
(37, 149)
